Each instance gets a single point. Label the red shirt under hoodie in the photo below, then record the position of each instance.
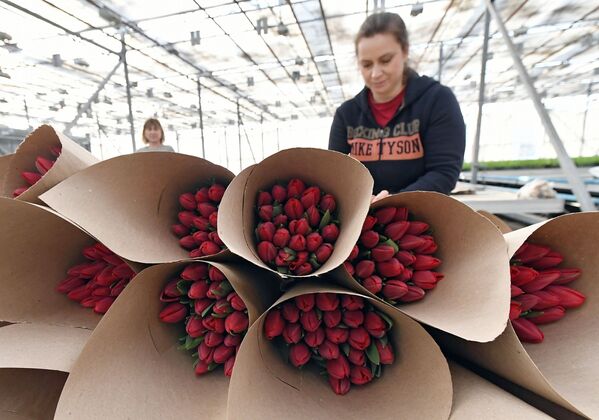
(384, 111)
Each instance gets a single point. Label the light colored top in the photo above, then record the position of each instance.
(161, 148)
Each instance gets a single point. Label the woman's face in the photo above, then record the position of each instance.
(382, 60)
(153, 134)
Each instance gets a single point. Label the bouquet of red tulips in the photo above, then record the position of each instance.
(42, 166)
(297, 227)
(214, 315)
(97, 282)
(393, 258)
(343, 333)
(539, 294)
(197, 227)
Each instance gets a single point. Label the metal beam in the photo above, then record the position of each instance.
(201, 114)
(128, 87)
(239, 135)
(481, 98)
(578, 187)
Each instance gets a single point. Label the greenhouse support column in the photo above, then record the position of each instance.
(239, 134)
(226, 147)
(201, 114)
(440, 61)
(262, 133)
(578, 187)
(481, 101)
(128, 87)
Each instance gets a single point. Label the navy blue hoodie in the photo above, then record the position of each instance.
(420, 148)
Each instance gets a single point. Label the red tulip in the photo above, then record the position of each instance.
(547, 316)
(229, 364)
(568, 275)
(546, 300)
(351, 302)
(375, 325)
(180, 230)
(43, 165)
(310, 197)
(356, 357)
(214, 274)
(515, 291)
(323, 253)
(194, 327)
(327, 202)
(360, 375)
(327, 301)
(232, 340)
(328, 350)
(201, 195)
(264, 198)
(292, 333)
(290, 311)
(515, 310)
(266, 212)
(315, 338)
(426, 262)
(280, 220)
(170, 290)
(213, 236)
(299, 227)
(386, 354)
(216, 192)
(408, 242)
(103, 305)
(382, 252)
(17, 192)
(281, 237)
(303, 269)
(188, 201)
(310, 321)
(187, 242)
(202, 223)
(90, 301)
(385, 215)
(295, 187)
(236, 322)
(369, 223)
(294, 209)
(530, 252)
(405, 257)
(123, 271)
(407, 274)
(313, 241)
(545, 278)
(173, 313)
(365, 268)
(305, 302)
(330, 233)
(354, 253)
(202, 368)
(374, 284)
(426, 280)
(414, 293)
(273, 324)
(339, 386)
(349, 268)
(527, 301)
(522, 275)
(397, 230)
(68, 284)
(297, 243)
(527, 331)
(222, 307)
(369, 239)
(267, 251)
(568, 298)
(214, 324)
(213, 219)
(209, 248)
(222, 353)
(395, 289)
(31, 177)
(195, 272)
(206, 209)
(391, 268)
(313, 216)
(359, 338)
(332, 318)
(236, 302)
(353, 319)
(417, 228)
(337, 335)
(200, 236)
(299, 354)
(200, 305)
(213, 339)
(338, 368)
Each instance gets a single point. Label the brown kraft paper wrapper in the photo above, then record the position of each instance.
(335, 173)
(564, 368)
(131, 367)
(416, 385)
(130, 202)
(4, 162)
(72, 159)
(497, 221)
(29, 394)
(472, 301)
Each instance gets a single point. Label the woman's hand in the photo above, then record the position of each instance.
(382, 194)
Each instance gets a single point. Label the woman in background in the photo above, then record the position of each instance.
(407, 129)
(153, 136)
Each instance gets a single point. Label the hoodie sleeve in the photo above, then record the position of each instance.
(444, 141)
(338, 135)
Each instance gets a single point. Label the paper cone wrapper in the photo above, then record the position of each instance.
(340, 175)
(477, 398)
(497, 221)
(265, 386)
(29, 394)
(472, 301)
(4, 163)
(564, 368)
(130, 202)
(131, 367)
(72, 159)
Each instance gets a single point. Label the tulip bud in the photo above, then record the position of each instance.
(516, 291)
(206, 353)
(266, 212)
(386, 354)
(305, 302)
(356, 357)
(106, 277)
(294, 209)
(374, 284)
(55, 150)
(515, 310)
(364, 269)
(349, 268)
(118, 288)
(409, 242)
(100, 291)
(354, 253)
(194, 327)
(382, 252)
(327, 202)
(337, 335)
(206, 209)
(417, 228)
(546, 300)
(338, 368)
(426, 280)
(200, 305)
(214, 274)
(395, 289)
(327, 301)
(209, 248)
(201, 195)
(170, 290)
(568, 275)
(550, 260)
(360, 375)
(310, 197)
(173, 313)
(313, 241)
(527, 331)
(313, 216)
(216, 192)
(202, 223)
(222, 353)
(236, 322)
(527, 301)
(521, 275)
(323, 253)
(79, 293)
(299, 354)
(568, 298)
(232, 340)
(31, 177)
(273, 324)
(267, 251)
(103, 305)
(279, 193)
(281, 237)
(202, 368)
(195, 272)
(397, 230)
(352, 302)
(264, 198)
(414, 293)
(315, 338)
(310, 321)
(228, 367)
(213, 339)
(180, 230)
(297, 243)
(187, 242)
(17, 192)
(328, 350)
(292, 333)
(426, 262)
(530, 252)
(430, 247)
(303, 269)
(43, 165)
(544, 279)
(369, 223)
(332, 318)
(90, 301)
(68, 284)
(212, 323)
(236, 302)
(299, 227)
(222, 306)
(353, 319)
(339, 386)
(391, 268)
(369, 239)
(359, 338)
(385, 215)
(188, 201)
(374, 324)
(407, 274)
(547, 316)
(290, 311)
(330, 233)
(213, 219)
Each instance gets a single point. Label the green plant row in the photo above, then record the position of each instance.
(532, 163)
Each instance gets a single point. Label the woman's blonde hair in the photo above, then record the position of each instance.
(153, 123)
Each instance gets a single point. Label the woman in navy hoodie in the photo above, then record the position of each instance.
(407, 129)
